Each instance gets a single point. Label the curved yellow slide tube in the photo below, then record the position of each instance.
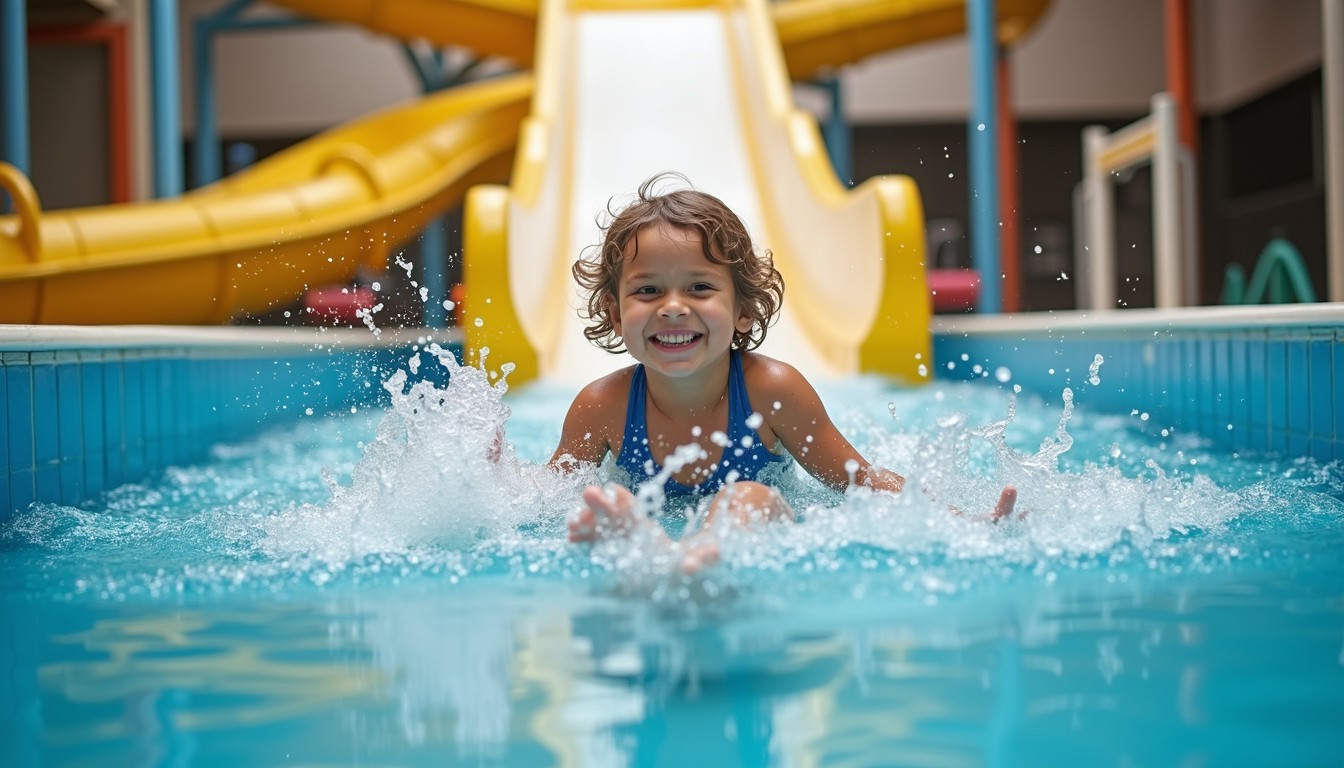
(306, 217)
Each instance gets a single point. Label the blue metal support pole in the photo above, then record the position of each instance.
(207, 116)
(14, 64)
(431, 76)
(167, 98)
(432, 278)
(982, 141)
(207, 148)
(836, 132)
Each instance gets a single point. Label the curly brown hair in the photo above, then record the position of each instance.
(723, 236)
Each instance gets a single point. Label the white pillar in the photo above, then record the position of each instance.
(1167, 272)
(1100, 266)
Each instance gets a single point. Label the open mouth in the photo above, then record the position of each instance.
(674, 340)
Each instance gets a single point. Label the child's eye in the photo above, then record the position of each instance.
(646, 290)
(699, 287)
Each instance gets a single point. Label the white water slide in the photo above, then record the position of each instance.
(699, 88)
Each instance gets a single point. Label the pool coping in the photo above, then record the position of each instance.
(35, 338)
(87, 408)
(1141, 319)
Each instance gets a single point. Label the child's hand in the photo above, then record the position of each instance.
(1007, 500)
(496, 448)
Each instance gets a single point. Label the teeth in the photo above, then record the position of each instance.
(675, 338)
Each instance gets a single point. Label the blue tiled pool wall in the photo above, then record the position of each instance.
(1267, 389)
(77, 422)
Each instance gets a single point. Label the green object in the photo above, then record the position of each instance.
(1280, 277)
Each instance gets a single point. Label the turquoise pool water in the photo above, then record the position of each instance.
(365, 588)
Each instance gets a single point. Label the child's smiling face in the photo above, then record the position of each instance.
(676, 310)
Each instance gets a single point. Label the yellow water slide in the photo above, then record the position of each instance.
(315, 213)
(628, 89)
(306, 217)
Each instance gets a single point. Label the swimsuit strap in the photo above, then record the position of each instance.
(739, 404)
(635, 458)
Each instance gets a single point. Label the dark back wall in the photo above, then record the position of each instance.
(1261, 175)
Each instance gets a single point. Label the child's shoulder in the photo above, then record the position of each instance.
(612, 389)
(770, 376)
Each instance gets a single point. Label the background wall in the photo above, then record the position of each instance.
(1088, 61)
(1085, 58)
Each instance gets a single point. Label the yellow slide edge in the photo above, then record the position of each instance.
(311, 215)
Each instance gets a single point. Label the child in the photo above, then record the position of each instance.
(677, 283)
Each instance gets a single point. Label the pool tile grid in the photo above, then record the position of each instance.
(78, 422)
(1278, 390)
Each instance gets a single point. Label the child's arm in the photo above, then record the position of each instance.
(802, 424)
(585, 436)
(794, 412)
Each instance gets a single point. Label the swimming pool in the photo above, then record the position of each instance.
(357, 585)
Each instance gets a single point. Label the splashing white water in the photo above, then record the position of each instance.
(437, 474)
(437, 477)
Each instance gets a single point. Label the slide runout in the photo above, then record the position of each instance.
(855, 298)
(311, 215)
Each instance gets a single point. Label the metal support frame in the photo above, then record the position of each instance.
(1153, 139)
(207, 146)
(430, 67)
(433, 69)
(14, 70)
(166, 87)
(835, 131)
(435, 74)
(982, 139)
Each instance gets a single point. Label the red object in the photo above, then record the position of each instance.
(953, 290)
(338, 305)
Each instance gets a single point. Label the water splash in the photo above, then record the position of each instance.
(420, 493)
(438, 474)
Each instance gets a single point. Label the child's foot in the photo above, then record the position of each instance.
(606, 513)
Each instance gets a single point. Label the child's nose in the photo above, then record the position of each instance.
(673, 306)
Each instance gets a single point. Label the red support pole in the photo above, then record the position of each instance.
(1180, 84)
(112, 38)
(1009, 197)
(1179, 81)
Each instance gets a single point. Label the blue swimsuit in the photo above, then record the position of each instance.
(743, 458)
